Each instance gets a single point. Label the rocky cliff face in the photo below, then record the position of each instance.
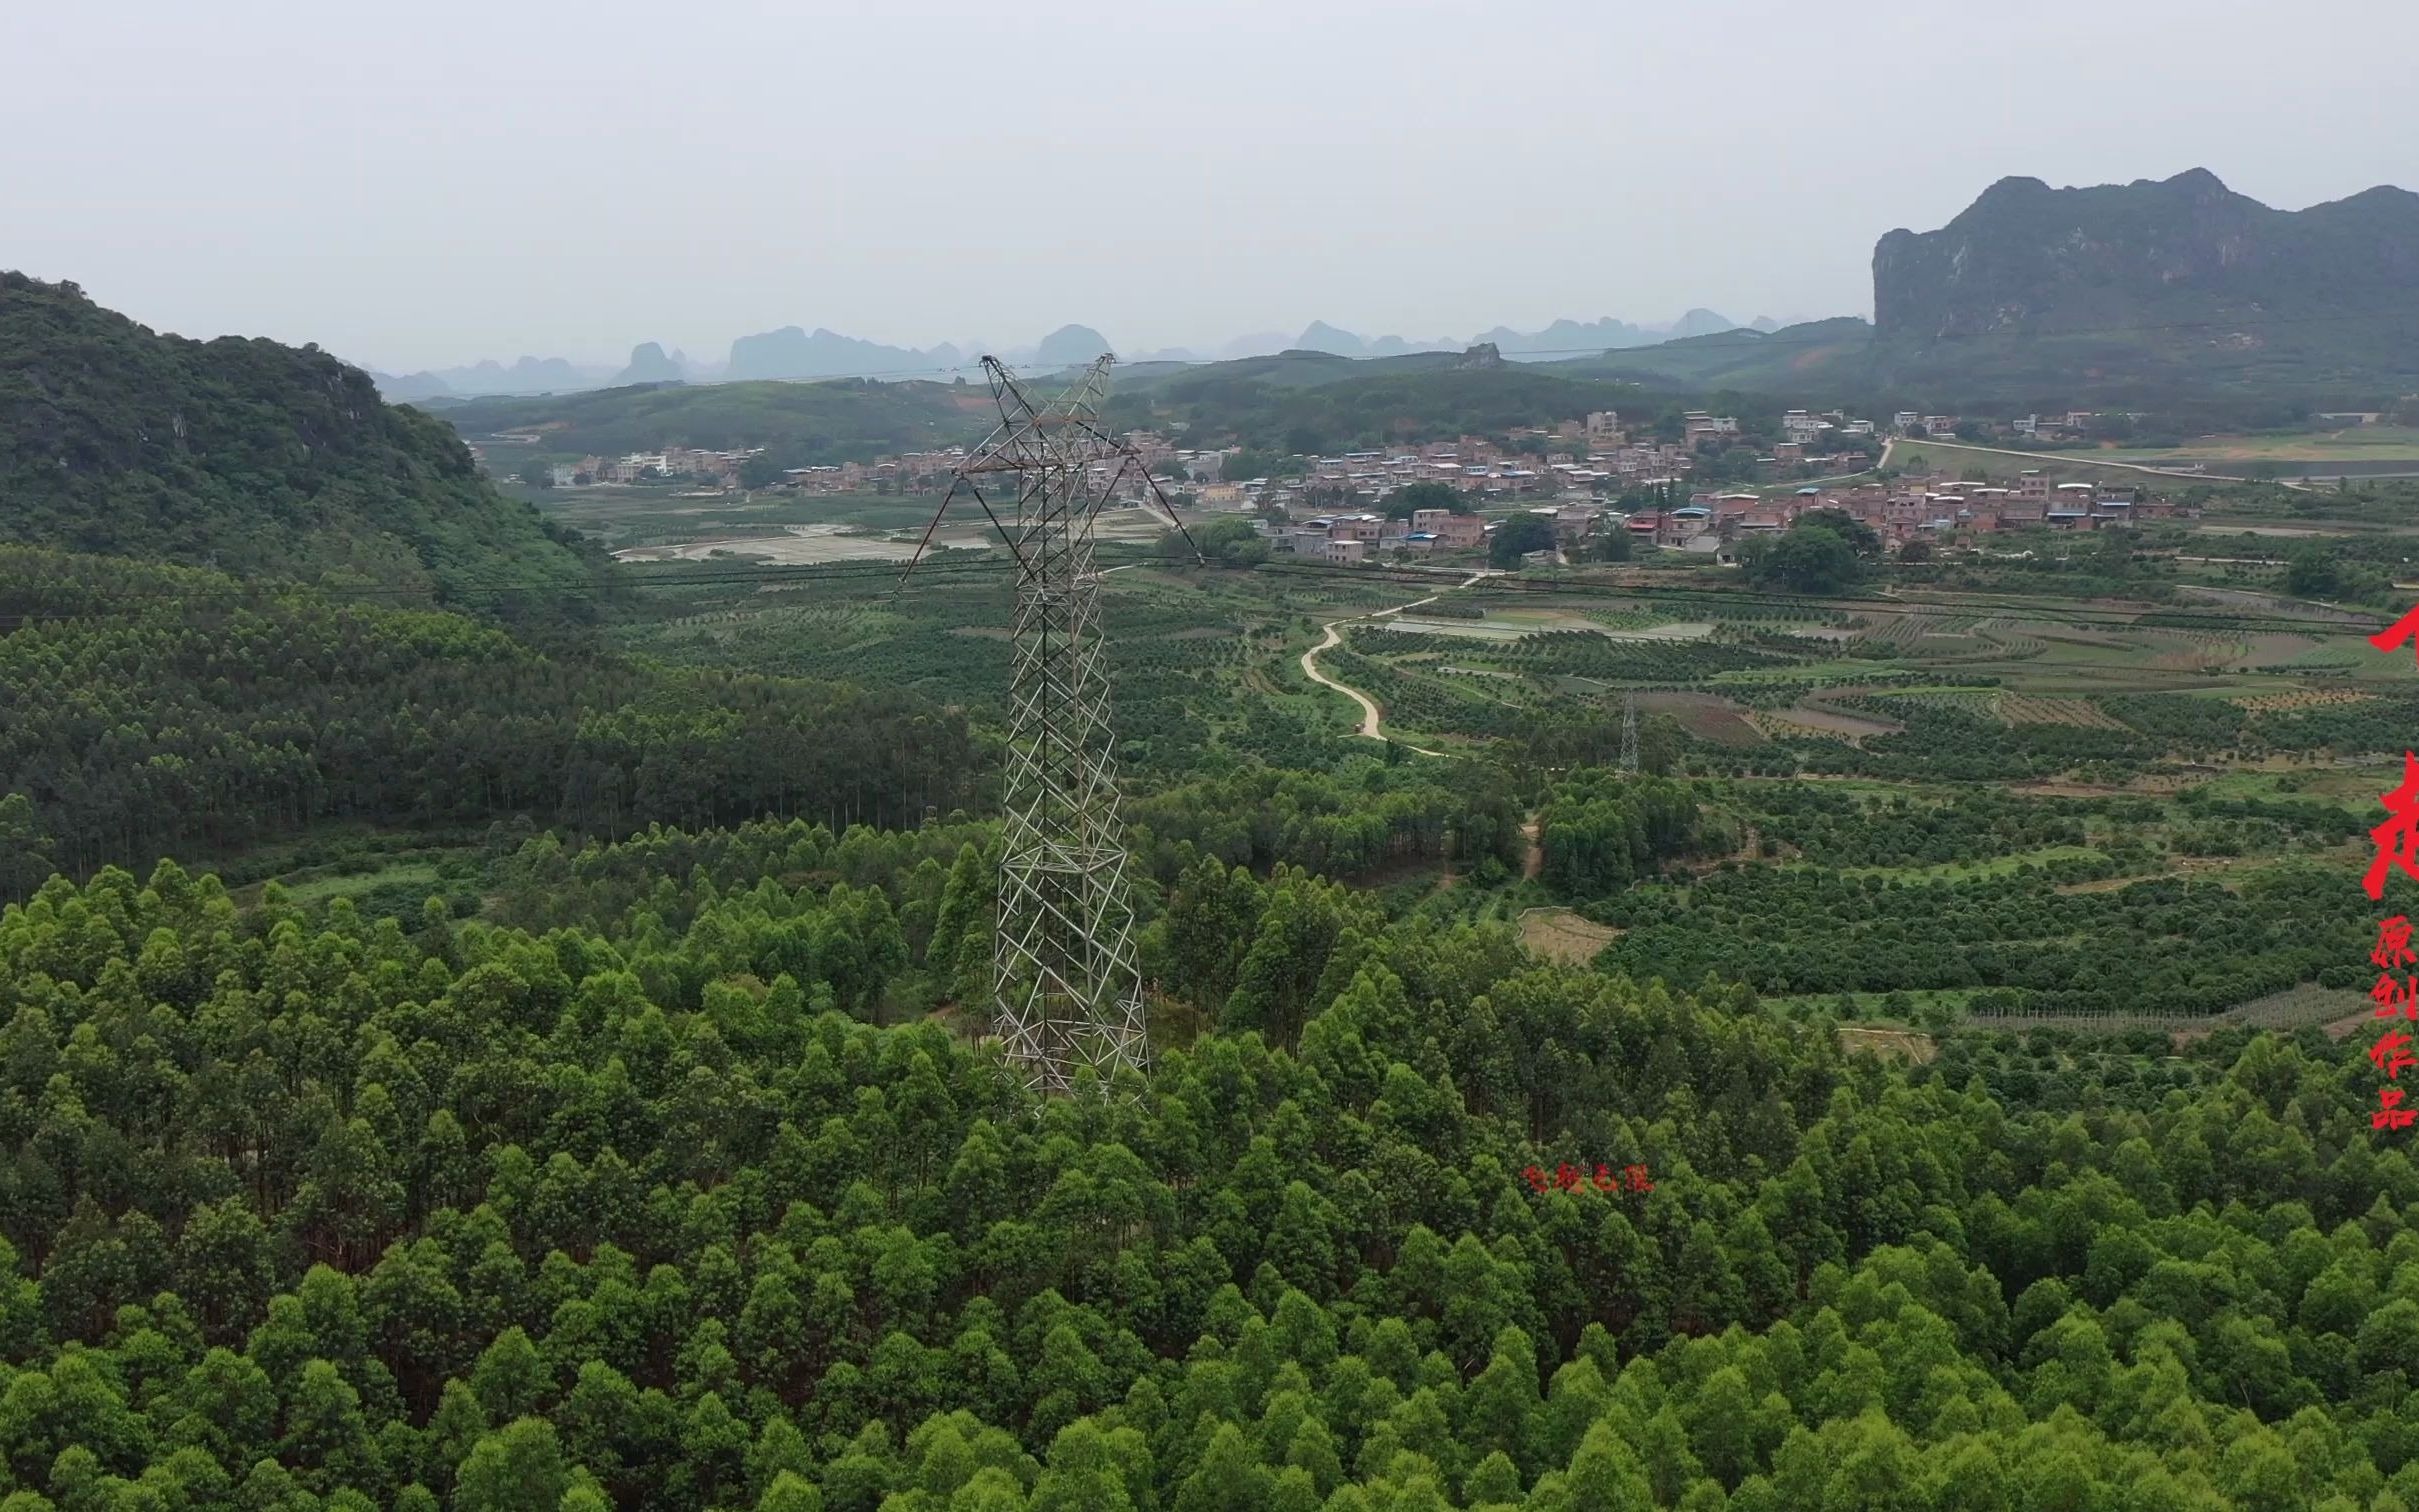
(2165, 260)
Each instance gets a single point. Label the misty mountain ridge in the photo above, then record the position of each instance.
(529, 375)
(794, 353)
(648, 364)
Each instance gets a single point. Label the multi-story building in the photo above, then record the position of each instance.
(1454, 532)
(1576, 522)
(1698, 426)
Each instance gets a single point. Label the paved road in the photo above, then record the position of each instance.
(1372, 727)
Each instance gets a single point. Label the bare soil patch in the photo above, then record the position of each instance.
(1557, 934)
(1705, 715)
(1901, 1044)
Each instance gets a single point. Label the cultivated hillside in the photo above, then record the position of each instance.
(242, 454)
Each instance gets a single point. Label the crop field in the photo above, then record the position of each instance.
(801, 546)
(2079, 755)
(1705, 716)
(2353, 444)
(2077, 713)
(2300, 698)
(619, 517)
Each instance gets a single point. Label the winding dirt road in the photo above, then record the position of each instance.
(1372, 726)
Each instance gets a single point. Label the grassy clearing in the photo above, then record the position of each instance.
(1557, 934)
(319, 886)
(2364, 443)
(1889, 1044)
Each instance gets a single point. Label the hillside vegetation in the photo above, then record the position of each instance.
(149, 703)
(151, 709)
(836, 420)
(243, 454)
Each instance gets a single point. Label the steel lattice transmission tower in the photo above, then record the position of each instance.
(1629, 734)
(1069, 993)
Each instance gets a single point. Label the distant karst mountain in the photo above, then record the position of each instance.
(1068, 346)
(528, 375)
(1319, 336)
(1252, 344)
(793, 353)
(648, 364)
(1566, 338)
(2028, 258)
(2160, 293)
(1562, 339)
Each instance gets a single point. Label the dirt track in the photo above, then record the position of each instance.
(1372, 726)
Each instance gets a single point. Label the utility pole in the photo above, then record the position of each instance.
(1069, 996)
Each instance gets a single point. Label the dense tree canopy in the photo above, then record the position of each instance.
(308, 1211)
(1517, 536)
(1809, 557)
(153, 706)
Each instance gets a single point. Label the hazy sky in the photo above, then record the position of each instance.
(424, 184)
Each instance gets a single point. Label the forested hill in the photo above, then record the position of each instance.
(146, 708)
(2182, 262)
(798, 424)
(241, 454)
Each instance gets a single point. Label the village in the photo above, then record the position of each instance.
(1593, 479)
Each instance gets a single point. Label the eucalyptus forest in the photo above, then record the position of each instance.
(486, 1026)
